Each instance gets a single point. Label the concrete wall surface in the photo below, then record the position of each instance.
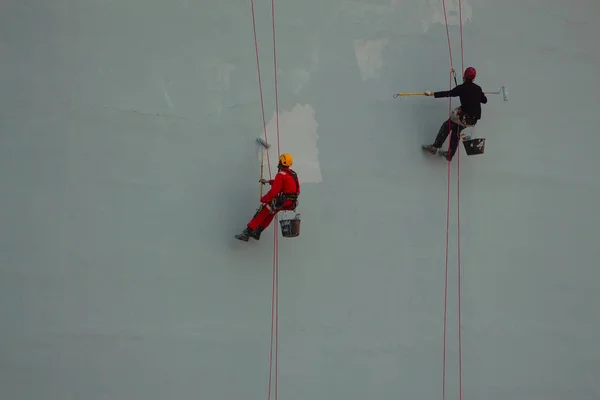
(128, 161)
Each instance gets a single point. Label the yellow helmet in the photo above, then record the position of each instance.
(286, 159)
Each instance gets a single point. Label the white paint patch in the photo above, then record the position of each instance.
(297, 136)
(434, 14)
(369, 57)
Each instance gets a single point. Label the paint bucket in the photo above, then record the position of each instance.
(290, 227)
(474, 146)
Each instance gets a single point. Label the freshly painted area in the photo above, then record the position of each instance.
(369, 57)
(128, 161)
(297, 135)
(432, 12)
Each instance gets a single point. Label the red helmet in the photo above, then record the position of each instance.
(470, 73)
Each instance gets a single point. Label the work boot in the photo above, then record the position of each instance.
(446, 154)
(244, 235)
(430, 148)
(256, 234)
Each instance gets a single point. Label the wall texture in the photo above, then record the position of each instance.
(128, 162)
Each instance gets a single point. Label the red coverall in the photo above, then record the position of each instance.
(283, 183)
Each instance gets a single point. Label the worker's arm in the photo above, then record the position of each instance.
(483, 98)
(455, 92)
(276, 185)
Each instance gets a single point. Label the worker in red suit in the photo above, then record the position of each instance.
(283, 195)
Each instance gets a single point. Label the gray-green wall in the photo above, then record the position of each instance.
(128, 162)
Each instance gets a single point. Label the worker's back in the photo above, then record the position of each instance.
(471, 97)
(289, 181)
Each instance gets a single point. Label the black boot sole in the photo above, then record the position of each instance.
(242, 238)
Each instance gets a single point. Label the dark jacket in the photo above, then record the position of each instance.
(471, 97)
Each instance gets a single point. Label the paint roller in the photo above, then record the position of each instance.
(262, 142)
(502, 91)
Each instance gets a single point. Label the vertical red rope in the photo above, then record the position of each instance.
(462, 50)
(462, 56)
(459, 311)
(262, 103)
(274, 316)
(275, 283)
(273, 290)
(276, 220)
(446, 291)
(275, 71)
(276, 268)
(447, 255)
(447, 209)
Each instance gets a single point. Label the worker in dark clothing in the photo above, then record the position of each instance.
(467, 114)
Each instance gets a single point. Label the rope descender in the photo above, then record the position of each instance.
(453, 72)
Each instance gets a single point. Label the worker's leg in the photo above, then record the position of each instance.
(439, 139)
(454, 140)
(262, 218)
(442, 135)
(264, 223)
(260, 222)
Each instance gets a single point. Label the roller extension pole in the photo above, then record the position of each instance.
(502, 91)
(264, 145)
(409, 94)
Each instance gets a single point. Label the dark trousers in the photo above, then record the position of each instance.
(449, 127)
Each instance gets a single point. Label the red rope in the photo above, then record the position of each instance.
(274, 315)
(447, 212)
(448, 217)
(275, 74)
(262, 103)
(462, 50)
(462, 55)
(276, 280)
(272, 326)
(446, 268)
(275, 284)
(276, 220)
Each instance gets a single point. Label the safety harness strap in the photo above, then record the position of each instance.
(281, 198)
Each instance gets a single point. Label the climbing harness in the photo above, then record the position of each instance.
(459, 117)
(282, 198)
(290, 227)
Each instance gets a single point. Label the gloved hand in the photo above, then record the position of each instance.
(264, 181)
(428, 93)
